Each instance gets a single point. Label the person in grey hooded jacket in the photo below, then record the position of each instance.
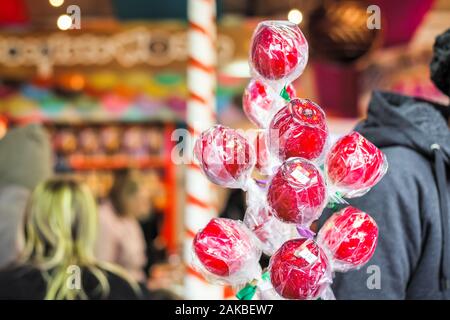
(411, 203)
(25, 160)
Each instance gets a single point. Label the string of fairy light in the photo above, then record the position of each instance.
(64, 21)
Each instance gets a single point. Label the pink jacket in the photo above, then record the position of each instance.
(121, 241)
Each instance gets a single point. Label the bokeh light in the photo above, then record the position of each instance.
(56, 3)
(295, 16)
(64, 22)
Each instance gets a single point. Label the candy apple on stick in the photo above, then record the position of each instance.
(225, 252)
(350, 236)
(279, 52)
(226, 156)
(354, 165)
(297, 192)
(300, 270)
(298, 130)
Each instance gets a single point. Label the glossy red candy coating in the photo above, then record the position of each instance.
(354, 163)
(351, 236)
(223, 246)
(299, 270)
(225, 155)
(278, 48)
(298, 130)
(297, 192)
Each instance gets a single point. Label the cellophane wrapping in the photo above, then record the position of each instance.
(225, 156)
(300, 270)
(297, 192)
(350, 237)
(226, 252)
(299, 129)
(354, 165)
(270, 231)
(261, 101)
(278, 53)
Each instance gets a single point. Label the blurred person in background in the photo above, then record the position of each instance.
(25, 160)
(121, 240)
(152, 224)
(165, 272)
(411, 204)
(60, 232)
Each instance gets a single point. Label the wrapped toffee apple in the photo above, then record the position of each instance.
(350, 236)
(226, 157)
(298, 130)
(279, 51)
(354, 165)
(270, 231)
(297, 192)
(225, 252)
(260, 101)
(300, 270)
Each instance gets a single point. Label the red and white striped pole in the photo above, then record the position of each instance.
(201, 114)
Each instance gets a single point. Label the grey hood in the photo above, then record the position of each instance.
(397, 120)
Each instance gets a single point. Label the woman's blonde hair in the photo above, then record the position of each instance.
(60, 232)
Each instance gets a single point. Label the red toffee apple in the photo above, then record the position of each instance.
(223, 247)
(225, 156)
(298, 130)
(278, 50)
(351, 236)
(354, 164)
(300, 270)
(258, 100)
(297, 192)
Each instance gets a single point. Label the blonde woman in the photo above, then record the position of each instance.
(58, 259)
